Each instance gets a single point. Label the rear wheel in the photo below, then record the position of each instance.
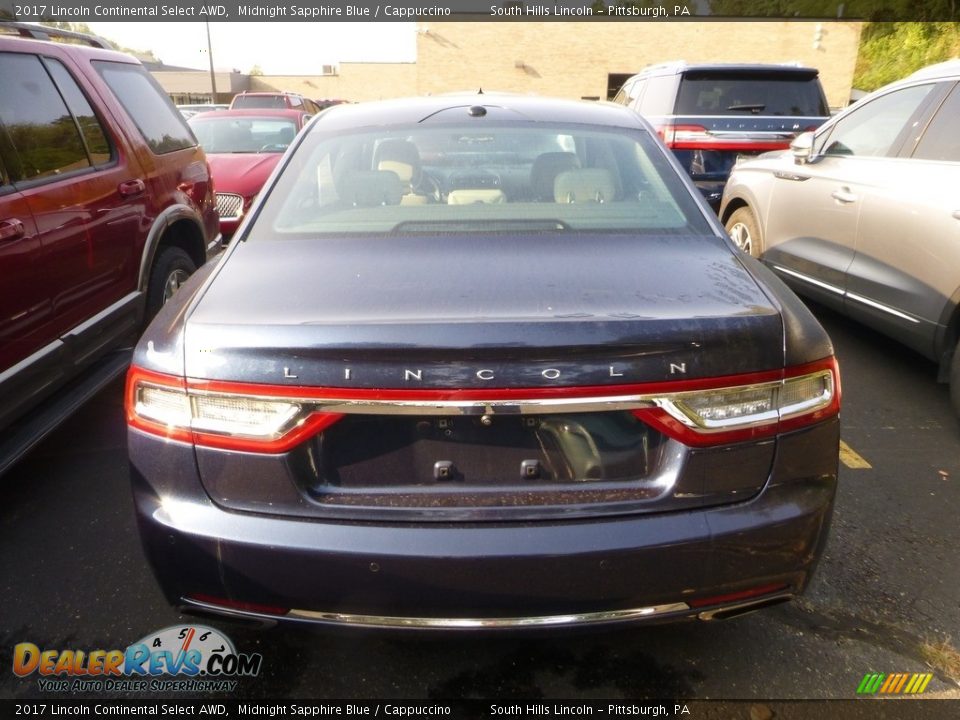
(170, 270)
(955, 380)
(745, 231)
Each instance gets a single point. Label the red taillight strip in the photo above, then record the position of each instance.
(735, 596)
(330, 404)
(697, 137)
(312, 424)
(425, 396)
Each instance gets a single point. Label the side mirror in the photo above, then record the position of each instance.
(802, 148)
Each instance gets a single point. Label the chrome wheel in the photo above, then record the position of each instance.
(174, 280)
(744, 230)
(740, 234)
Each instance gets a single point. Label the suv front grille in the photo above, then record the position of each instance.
(229, 206)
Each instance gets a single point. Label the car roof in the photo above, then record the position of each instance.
(253, 112)
(270, 93)
(679, 66)
(947, 68)
(11, 40)
(455, 107)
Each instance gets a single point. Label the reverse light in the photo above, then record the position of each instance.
(274, 419)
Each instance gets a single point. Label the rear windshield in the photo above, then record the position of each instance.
(456, 179)
(755, 94)
(231, 134)
(259, 102)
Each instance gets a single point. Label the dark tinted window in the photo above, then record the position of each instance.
(755, 94)
(43, 140)
(941, 141)
(158, 120)
(871, 130)
(93, 132)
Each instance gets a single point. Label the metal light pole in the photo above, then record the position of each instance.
(213, 76)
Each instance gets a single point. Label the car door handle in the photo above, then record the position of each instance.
(11, 229)
(843, 195)
(131, 187)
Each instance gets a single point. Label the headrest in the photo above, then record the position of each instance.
(400, 157)
(586, 185)
(544, 171)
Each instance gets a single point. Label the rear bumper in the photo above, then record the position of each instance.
(487, 575)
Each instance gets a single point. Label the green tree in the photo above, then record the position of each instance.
(890, 51)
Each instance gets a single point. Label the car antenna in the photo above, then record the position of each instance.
(480, 91)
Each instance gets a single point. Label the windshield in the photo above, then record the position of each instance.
(501, 178)
(243, 134)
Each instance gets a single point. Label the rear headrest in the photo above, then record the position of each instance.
(586, 185)
(544, 171)
(401, 157)
(369, 188)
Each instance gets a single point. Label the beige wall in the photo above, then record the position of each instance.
(355, 82)
(570, 59)
(574, 59)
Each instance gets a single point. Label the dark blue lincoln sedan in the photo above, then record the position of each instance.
(482, 361)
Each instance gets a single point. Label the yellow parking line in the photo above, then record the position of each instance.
(850, 458)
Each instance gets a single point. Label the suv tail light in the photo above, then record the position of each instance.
(274, 419)
(682, 136)
(697, 137)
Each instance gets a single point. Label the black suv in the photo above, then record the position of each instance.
(711, 115)
(106, 207)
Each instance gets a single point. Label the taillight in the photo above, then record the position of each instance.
(697, 137)
(162, 405)
(748, 410)
(678, 136)
(274, 419)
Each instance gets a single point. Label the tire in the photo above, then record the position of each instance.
(955, 380)
(744, 230)
(170, 270)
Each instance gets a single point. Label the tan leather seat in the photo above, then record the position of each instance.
(585, 185)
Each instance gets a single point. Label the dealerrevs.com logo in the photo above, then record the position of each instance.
(186, 658)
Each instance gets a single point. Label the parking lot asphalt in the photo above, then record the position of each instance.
(886, 597)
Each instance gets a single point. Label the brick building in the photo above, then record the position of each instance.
(568, 59)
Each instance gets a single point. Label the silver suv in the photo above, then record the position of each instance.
(864, 214)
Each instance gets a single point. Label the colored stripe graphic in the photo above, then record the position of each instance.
(894, 684)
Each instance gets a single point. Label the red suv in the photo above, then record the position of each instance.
(106, 207)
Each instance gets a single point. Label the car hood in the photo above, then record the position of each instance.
(531, 309)
(242, 173)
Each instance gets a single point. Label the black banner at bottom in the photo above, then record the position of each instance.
(895, 709)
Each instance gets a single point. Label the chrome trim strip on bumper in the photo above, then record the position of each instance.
(742, 608)
(438, 623)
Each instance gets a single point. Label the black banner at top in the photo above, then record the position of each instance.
(482, 10)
